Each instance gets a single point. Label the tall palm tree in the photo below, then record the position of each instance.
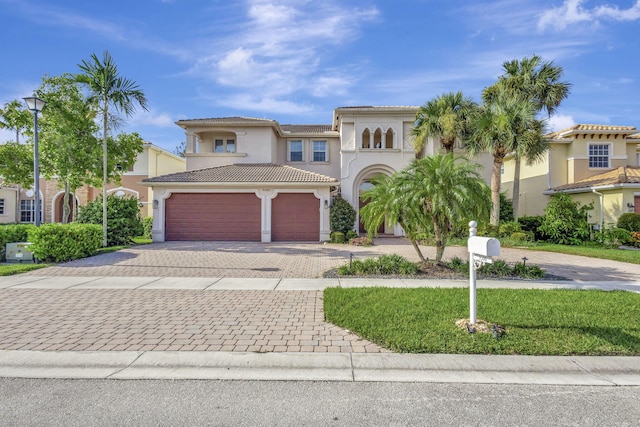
(537, 81)
(496, 130)
(435, 194)
(447, 116)
(107, 88)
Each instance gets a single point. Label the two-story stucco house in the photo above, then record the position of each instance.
(257, 180)
(596, 164)
(17, 205)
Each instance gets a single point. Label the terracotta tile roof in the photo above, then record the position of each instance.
(583, 128)
(311, 129)
(620, 175)
(246, 172)
(634, 136)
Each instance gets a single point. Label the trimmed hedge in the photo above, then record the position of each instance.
(12, 233)
(64, 242)
(629, 221)
(123, 218)
(147, 226)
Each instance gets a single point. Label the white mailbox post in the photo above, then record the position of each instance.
(481, 251)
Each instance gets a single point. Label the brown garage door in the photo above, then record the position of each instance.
(220, 216)
(295, 217)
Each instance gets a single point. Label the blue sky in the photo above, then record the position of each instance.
(294, 61)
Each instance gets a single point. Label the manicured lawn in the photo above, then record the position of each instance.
(10, 269)
(593, 252)
(537, 322)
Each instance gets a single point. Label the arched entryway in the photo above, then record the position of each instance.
(58, 207)
(361, 184)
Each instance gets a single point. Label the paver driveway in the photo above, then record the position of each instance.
(303, 260)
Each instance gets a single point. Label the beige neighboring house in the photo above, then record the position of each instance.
(17, 204)
(598, 164)
(252, 179)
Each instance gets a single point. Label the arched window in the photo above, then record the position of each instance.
(389, 138)
(377, 138)
(366, 138)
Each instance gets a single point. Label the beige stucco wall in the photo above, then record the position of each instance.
(9, 196)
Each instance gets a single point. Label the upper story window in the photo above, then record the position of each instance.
(599, 156)
(320, 153)
(295, 152)
(1, 206)
(224, 146)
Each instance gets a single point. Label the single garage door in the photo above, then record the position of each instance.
(295, 217)
(207, 216)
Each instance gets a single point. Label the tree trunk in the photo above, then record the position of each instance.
(104, 175)
(65, 204)
(417, 248)
(439, 242)
(515, 198)
(495, 191)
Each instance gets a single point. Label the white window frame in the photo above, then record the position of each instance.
(27, 208)
(595, 160)
(325, 151)
(226, 143)
(301, 151)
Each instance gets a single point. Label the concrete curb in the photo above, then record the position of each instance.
(439, 368)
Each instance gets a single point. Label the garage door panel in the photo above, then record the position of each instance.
(295, 217)
(213, 216)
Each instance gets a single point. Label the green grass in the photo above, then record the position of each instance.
(630, 256)
(537, 322)
(10, 269)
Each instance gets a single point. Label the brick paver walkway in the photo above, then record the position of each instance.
(172, 320)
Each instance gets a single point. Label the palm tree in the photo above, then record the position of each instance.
(434, 194)
(14, 117)
(496, 130)
(537, 81)
(447, 116)
(107, 88)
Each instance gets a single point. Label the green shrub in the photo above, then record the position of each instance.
(351, 234)
(147, 225)
(531, 224)
(520, 236)
(385, 264)
(508, 228)
(337, 237)
(629, 221)
(64, 242)
(498, 268)
(565, 221)
(614, 236)
(342, 216)
(12, 233)
(506, 208)
(123, 218)
(520, 269)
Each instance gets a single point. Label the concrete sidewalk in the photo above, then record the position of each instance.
(245, 329)
(440, 368)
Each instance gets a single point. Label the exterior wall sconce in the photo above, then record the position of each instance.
(630, 206)
(155, 204)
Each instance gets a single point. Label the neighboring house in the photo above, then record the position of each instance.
(257, 180)
(17, 205)
(598, 164)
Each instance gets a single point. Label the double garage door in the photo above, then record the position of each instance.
(236, 217)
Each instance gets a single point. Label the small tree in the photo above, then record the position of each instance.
(123, 222)
(565, 221)
(342, 216)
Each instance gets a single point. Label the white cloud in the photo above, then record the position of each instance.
(572, 12)
(560, 122)
(263, 104)
(280, 50)
(150, 119)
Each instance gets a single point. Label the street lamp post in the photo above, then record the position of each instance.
(36, 105)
